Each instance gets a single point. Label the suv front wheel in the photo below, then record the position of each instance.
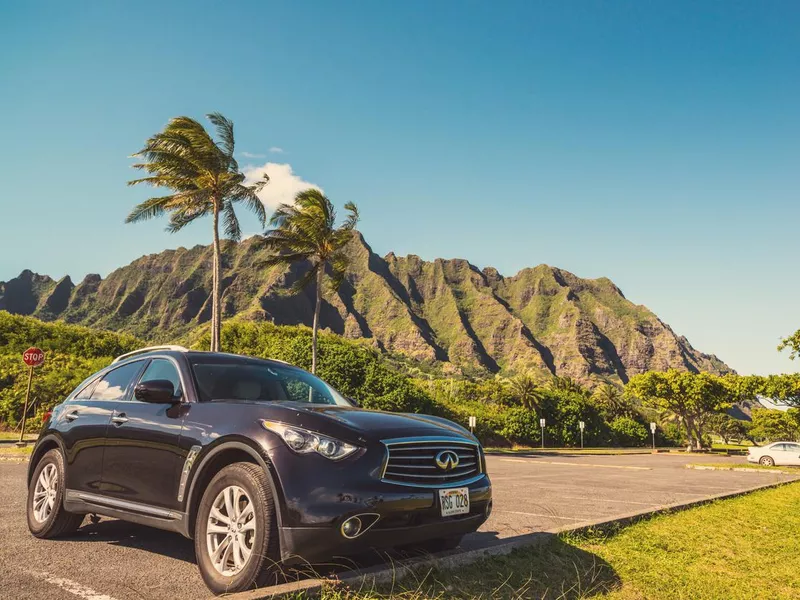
(46, 515)
(235, 535)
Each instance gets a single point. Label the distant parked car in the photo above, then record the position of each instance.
(778, 453)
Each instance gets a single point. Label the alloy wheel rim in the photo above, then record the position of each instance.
(231, 531)
(44, 494)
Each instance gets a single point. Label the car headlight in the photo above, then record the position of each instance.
(304, 441)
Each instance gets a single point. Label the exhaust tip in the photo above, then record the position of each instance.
(488, 509)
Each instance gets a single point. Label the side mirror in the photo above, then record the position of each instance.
(354, 402)
(157, 391)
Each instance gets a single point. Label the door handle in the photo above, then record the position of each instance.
(119, 419)
(71, 416)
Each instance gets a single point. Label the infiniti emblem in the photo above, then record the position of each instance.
(447, 460)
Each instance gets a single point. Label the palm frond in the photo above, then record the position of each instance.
(224, 129)
(231, 223)
(307, 278)
(339, 263)
(352, 219)
(151, 208)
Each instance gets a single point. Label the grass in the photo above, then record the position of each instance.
(14, 452)
(736, 549)
(755, 466)
(721, 446)
(11, 435)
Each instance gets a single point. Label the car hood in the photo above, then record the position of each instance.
(355, 423)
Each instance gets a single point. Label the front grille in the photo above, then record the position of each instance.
(414, 461)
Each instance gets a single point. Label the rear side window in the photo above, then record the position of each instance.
(115, 383)
(86, 391)
(161, 368)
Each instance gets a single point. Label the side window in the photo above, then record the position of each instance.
(161, 368)
(114, 384)
(779, 447)
(86, 392)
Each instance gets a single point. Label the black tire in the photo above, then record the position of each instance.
(261, 567)
(59, 522)
(766, 461)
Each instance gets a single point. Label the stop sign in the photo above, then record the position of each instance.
(33, 357)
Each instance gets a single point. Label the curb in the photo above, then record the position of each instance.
(374, 576)
(743, 470)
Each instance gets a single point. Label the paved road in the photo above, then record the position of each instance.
(113, 560)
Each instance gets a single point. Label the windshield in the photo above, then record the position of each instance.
(262, 382)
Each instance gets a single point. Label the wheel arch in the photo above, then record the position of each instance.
(43, 446)
(221, 455)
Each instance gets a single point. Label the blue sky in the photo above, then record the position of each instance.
(656, 143)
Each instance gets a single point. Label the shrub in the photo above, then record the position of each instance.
(521, 426)
(628, 432)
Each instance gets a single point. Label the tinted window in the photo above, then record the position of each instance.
(779, 447)
(161, 368)
(114, 384)
(86, 392)
(260, 382)
(792, 447)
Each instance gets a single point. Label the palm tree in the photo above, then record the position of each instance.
(566, 384)
(610, 398)
(307, 232)
(205, 180)
(526, 391)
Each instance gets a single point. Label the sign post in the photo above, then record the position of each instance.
(582, 425)
(473, 421)
(653, 433)
(33, 357)
(541, 422)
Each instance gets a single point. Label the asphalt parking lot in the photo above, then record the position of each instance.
(112, 560)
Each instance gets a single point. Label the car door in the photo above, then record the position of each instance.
(779, 454)
(140, 462)
(792, 454)
(84, 421)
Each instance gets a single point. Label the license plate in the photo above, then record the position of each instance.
(454, 501)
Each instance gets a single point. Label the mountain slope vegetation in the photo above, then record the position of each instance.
(444, 313)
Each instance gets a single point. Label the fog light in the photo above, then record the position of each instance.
(351, 528)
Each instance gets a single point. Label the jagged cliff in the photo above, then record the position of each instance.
(445, 311)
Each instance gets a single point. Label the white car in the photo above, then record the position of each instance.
(777, 453)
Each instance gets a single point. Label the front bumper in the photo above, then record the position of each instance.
(406, 517)
(316, 496)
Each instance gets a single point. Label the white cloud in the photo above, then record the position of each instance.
(283, 184)
(276, 150)
(251, 155)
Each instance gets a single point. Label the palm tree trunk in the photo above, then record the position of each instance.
(215, 312)
(320, 273)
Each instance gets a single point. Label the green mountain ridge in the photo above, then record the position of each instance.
(445, 312)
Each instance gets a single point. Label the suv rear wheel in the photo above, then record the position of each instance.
(235, 535)
(46, 515)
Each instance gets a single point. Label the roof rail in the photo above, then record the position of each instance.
(149, 349)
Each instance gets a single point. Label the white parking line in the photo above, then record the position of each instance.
(73, 587)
